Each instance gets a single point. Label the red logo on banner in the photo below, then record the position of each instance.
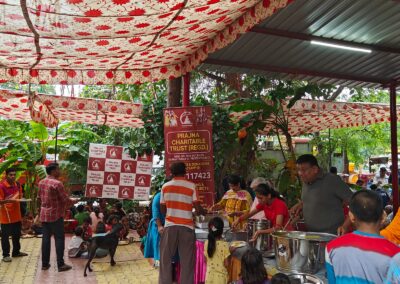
(111, 178)
(188, 139)
(96, 164)
(114, 152)
(126, 192)
(128, 166)
(142, 180)
(94, 190)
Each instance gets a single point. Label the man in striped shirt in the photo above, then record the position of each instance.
(178, 197)
(362, 256)
(393, 276)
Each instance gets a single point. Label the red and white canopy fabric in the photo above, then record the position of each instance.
(308, 116)
(51, 109)
(118, 41)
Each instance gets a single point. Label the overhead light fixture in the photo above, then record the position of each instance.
(316, 42)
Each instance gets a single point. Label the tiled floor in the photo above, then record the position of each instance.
(22, 269)
(131, 267)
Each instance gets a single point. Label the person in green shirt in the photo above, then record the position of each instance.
(81, 215)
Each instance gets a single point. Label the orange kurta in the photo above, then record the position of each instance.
(10, 212)
(392, 231)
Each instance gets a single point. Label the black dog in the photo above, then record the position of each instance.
(109, 241)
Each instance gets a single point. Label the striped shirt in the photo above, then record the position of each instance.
(359, 257)
(393, 276)
(178, 196)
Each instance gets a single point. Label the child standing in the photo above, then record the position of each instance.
(362, 256)
(217, 253)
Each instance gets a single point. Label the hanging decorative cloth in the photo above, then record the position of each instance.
(51, 108)
(40, 112)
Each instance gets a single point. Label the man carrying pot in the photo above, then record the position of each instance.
(323, 197)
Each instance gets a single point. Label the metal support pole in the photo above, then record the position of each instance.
(330, 149)
(393, 136)
(55, 148)
(186, 90)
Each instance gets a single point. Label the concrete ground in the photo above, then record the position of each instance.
(131, 267)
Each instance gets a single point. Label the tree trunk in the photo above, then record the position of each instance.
(174, 92)
(234, 81)
(320, 147)
(289, 142)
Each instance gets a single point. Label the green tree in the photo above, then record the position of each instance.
(24, 147)
(357, 144)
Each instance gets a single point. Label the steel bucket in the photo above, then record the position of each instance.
(302, 252)
(264, 241)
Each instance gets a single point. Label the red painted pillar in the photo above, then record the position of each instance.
(393, 136)
(186, 90)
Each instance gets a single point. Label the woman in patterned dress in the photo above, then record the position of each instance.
(235, 201)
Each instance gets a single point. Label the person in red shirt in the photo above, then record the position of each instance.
(274, 208)
(53, 201)
(10, 215)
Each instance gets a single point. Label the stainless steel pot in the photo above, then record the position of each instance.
(231, 236)
(300, 251)
(264, 241)
(255, 225)
(201, 221)
(304, 278)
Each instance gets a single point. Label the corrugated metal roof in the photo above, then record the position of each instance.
(375, 23)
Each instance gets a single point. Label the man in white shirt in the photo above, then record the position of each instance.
(381, 178)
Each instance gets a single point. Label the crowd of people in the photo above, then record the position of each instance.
(327, 205)
(57, 213)
(364, 252)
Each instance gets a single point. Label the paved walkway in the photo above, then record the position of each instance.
(23, 269)
(131, 267)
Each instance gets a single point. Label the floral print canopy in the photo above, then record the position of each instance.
(118, 41)
(49, 110)
(308, 116)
